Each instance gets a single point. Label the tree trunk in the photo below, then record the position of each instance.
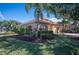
(37, 27)
(37, 31)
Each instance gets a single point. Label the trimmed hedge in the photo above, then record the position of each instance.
(45, 34)
(75, 30)
(68, 31)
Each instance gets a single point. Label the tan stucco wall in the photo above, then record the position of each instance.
(53, 27)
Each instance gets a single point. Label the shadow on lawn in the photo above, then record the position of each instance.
(65, 46)
(57, 46)
(29, 38)
(20, 47)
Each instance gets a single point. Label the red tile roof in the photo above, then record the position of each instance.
(41, 21)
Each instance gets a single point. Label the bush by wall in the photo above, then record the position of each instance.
(45, 34)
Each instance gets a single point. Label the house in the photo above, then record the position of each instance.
(44, 24)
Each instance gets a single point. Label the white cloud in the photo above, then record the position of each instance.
(55, 20)
(1, 15)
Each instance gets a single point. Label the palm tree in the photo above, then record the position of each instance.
(39, 10)
(65, 22)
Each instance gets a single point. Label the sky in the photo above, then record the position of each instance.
(16, 11)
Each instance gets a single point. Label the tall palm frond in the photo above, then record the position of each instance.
(40, 9)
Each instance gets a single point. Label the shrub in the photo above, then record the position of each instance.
(76, 30)
(45, 34)
(68, 31)
(28, 32)
(19, 30)
(22, 31)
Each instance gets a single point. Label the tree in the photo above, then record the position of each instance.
(1, 26)
(67, 11)
(65, 22)
(13, 24)
(9, 25)
(39, 10)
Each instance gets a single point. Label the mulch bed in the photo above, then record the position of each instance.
(27, 38)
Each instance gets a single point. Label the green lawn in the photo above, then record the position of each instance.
(58, 45)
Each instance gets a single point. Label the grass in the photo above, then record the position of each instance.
(57, 46)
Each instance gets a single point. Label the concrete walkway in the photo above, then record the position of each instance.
(69, 34)
(7, 35)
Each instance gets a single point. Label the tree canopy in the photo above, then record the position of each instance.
(40, 9)
(66, 10)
